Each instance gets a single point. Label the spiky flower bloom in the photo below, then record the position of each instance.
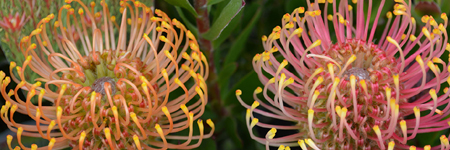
(348, 91)
(135, 89)
(13, 23)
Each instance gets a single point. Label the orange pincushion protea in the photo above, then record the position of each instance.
(134, 89)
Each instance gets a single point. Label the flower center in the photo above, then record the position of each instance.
(359, 78)
(98, 85)
(360, 73)
(124, 95)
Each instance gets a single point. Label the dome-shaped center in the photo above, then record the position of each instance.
(360, 73)
(98, 85)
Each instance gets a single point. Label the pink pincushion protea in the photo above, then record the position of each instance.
(351, 93)
(137, 89)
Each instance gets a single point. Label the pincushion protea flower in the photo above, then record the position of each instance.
(352, 92)
(107, 90)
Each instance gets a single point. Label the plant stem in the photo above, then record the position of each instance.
(203, 25)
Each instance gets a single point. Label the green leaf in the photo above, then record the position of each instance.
(183, 3)
(445, 6)
(212, 2)
(231, 130)
(235, 22)
(186, 22)
(239, 44)
(224, 77)
(228, 13)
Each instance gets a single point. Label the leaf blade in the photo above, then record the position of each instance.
(228, 13)
(185, 4)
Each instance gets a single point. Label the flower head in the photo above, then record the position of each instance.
(13, 23)
(134, 89)
(350, 91)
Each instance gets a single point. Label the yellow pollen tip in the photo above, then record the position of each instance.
(19, 131)
(389, 15)
(59, 111)
(190, 35)
(9, 139)
(107, 133)
(341, 19)
(377, 130)
(391, 145)
(310, 115)
(71, 11)
(184, 108)
(158, 128)
(412, 38)
(396, 79)
(136, 141)
(412, 148)
(258, 90)
(427, 147)
(165, 110)
(391, 40)
(351, 59)
(210, 123)
(264, 38)
(301, 10)
(67, 6)
(298, 31)
(238, 92)
(133, 116)
(315, 44)
(276, 29)
(416, 110)
(398, 12)
(302, 144)
(338, 110)
(51, 143)
(271, 133)
(254, 122)
(289, 25)
(52, 124)
(403, 36)
(36, 31)
(310, 142)
(200, 124)
(330, 17)
(34, 146)
(255, 104)
(433, 94)
(344, 112)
